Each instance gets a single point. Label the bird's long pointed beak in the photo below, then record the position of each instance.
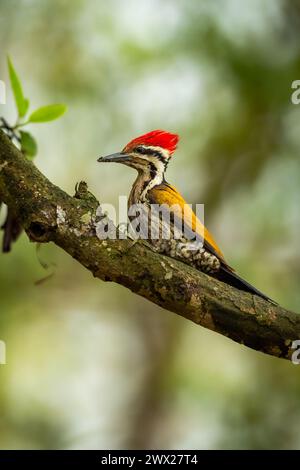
(115, 157)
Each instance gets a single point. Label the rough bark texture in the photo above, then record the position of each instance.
(49, 214)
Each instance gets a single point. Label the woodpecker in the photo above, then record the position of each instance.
(150, 154)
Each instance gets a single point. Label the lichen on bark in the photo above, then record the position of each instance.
(48, 214)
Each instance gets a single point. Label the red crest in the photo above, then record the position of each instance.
(156, 138)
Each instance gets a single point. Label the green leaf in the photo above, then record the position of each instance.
(26, 106)
(28, 144)
(21, 102)
(47, 113)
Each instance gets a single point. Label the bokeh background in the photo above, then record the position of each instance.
(89, 364)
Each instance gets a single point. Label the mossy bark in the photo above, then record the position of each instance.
(48, 214)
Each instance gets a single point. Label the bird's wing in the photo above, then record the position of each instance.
(167, 194)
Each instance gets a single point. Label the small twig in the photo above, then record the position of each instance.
(10, 130)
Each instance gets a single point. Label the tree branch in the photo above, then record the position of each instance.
(49, 214)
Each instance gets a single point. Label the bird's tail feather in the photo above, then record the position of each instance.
(233, 279)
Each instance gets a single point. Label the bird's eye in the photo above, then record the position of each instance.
(141, 150)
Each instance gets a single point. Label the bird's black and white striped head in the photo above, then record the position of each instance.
(149, 154)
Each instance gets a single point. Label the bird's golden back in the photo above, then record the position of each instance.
(167, 194)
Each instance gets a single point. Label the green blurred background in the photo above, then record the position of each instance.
(89, 364)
